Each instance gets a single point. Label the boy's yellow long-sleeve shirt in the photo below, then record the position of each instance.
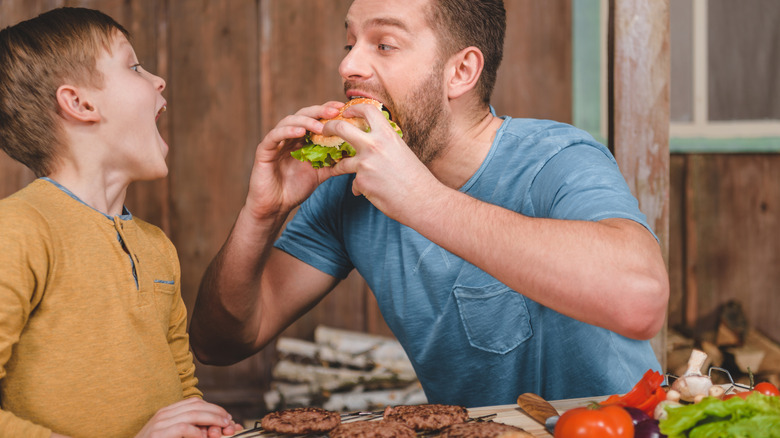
(92, 325)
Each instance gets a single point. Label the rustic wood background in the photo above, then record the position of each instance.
(724, 240)
(234, 68)
(638, 78)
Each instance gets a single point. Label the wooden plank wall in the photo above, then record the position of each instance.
(639, 112)
(233, 70)
(724, 240)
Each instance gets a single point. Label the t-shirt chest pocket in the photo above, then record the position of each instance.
(494, 317)
(162, 297)
(164, 288)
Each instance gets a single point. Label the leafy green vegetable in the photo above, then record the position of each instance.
(758, 415)
(393, 124)
(322, 156)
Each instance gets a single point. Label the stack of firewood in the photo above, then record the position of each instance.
(733, 346)
(342, 371)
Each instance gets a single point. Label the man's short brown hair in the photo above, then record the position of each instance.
(37, 56)
(465, 23)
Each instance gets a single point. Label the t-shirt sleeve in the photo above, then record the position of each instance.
(583, 182)
(178, 339)
(315, 233)
(23, 266)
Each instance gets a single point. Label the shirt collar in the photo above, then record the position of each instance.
(125, 216)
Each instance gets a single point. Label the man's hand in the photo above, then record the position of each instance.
(190, 418)
(278, 181)
(387, 172)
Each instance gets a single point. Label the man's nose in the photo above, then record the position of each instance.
(354, 65)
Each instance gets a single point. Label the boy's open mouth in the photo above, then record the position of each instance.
(159, 113)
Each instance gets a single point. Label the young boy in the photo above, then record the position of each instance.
(93, 335)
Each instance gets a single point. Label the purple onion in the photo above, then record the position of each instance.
(637, 415)
(648, 429)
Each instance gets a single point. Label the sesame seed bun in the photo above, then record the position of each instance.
(336, 141)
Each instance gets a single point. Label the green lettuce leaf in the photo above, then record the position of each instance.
(321, 156)
(392, 123)
(757, 415)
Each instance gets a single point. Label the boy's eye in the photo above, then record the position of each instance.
(135, 67)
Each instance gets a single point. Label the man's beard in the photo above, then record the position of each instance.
(423, 119)
(421, 116)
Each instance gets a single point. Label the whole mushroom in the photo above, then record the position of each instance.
(693, 383)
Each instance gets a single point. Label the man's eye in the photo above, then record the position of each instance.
(384, 47)
(348, 47)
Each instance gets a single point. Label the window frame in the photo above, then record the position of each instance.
(700, 135)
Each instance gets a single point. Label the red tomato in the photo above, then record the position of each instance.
(767, 388)
(740, 394)
(595, 421)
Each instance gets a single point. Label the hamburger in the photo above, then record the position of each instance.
(326, 150)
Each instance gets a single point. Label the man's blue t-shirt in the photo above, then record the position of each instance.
(472, 340)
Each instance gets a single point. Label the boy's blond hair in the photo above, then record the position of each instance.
(37, 56)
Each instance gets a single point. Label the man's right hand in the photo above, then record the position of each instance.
(279, 182)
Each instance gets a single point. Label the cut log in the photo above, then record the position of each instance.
(771, 362)
(342, 370)
(748, 359)
(375, 400)
(384, 352)
(284, 395)
(733, 325)
(727, 337)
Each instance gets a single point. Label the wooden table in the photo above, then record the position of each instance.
(513, 415)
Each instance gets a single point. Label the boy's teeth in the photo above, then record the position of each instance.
(159, 113)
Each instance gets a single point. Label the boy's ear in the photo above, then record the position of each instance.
(75, 104)
(465, 70)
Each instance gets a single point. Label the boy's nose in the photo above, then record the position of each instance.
(159, 83)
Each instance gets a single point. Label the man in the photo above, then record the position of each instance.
(506, 255)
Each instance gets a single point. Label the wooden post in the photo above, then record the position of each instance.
(639, 111)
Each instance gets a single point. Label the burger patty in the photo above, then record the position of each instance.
(428, 416)
(372, 429)
(486, 429)
(300, 421)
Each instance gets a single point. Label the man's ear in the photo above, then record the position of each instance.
(74, 104)
(465, 68)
